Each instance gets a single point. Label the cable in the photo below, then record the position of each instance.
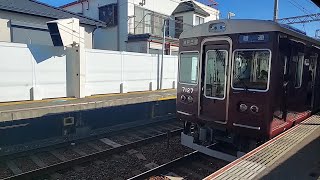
(302, 6)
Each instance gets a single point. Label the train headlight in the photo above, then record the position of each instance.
(190, 99)
(254, 109)
(183, 98)
(243, 107)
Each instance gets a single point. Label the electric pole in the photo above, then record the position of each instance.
(276, 10)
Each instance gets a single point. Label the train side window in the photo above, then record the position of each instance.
(215, 77)
(188, 67)
(251, 70)
(298, 63)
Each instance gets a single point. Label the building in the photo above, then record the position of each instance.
(24, 21)
(136, 25)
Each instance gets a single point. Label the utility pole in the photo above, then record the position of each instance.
(163, 50)
(276, 10)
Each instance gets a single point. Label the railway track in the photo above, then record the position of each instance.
(48, 161)
(194, 165)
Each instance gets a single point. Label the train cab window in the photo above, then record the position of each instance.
(251, 70)
(188, 72)
(215, 76)
(298, 63)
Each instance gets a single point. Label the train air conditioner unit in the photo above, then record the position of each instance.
(66, 32)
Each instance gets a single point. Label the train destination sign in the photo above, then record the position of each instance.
(253, 38)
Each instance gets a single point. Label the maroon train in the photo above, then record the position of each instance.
(245, 81)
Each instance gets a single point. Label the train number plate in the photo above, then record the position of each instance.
(187, 90)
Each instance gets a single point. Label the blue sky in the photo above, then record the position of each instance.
(255, 9)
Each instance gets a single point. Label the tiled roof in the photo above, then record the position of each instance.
(36, 8)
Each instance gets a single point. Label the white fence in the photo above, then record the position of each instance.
(30, 72)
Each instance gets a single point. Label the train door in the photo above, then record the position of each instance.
(280, 112)
(295, 87)
(315, 99)
(213, 105)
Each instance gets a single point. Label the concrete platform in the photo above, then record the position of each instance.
(294, 155)
(29, 125)
(32, 109)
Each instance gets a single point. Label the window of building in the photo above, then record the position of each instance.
(109, 14)
(198, 20)
(298, 63)
(178, 26)
(251, 69)
(167, 27)
(146, 21)
(215, 76)
(188, 67)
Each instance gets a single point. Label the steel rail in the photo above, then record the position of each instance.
(107, 133)
(90, 157)
(164, 167)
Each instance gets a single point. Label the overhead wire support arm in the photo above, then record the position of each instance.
(300, 19)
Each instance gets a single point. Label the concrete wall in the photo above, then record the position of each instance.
(29, 29)
(109, 71)
(30, 72)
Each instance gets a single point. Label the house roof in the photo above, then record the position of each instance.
(188, 6)
(35, 8)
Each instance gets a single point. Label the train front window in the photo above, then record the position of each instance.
(188, 72)
(215, 76)
(251, 69)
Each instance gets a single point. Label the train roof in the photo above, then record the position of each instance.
(238, 26)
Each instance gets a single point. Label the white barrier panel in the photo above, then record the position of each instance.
(139, 71)
(50, 71)
(16, 72)
(31, 72)
(115, 72)
(170, 72)
(103, 72)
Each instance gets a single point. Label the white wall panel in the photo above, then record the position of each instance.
(50, 71)
(28, 69)
(170, 72)
(30, 72)
(15, 72)
(139, 71)
(103, 72)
